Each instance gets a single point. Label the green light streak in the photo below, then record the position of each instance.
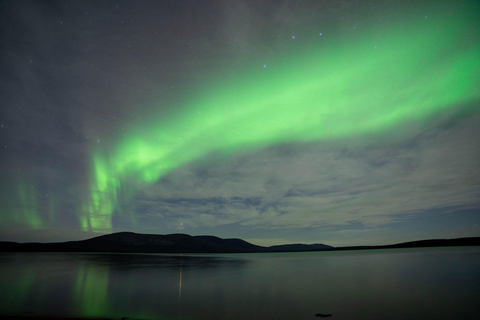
(23, 202)
(104, 197)
(27, 210)
(366, 86)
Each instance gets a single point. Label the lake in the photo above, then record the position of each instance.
(422, 283)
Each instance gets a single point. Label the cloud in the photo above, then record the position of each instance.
(320, 185)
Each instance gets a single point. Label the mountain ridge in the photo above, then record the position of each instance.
(130, 242)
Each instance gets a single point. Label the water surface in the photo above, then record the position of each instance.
(428, 283)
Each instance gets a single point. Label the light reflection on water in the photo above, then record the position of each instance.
(379, 284)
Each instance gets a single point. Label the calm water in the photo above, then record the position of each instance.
(434, 283)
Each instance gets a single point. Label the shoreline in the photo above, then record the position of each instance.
(33, 317)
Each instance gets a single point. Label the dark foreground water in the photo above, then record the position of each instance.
(433, 283)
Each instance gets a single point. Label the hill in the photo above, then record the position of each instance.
(142, 243)
(129, 242)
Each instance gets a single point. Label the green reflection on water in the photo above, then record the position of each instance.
(91, 291)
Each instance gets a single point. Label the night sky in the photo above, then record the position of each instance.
(340, 122)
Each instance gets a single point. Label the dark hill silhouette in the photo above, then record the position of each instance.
(171, 243)
(470, 241)
(153, 243)
(130, 242)
(300, 247)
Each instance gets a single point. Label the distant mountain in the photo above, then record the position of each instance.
(299, 247)
(171, 243)
(471, 241)
(182, 243)
(143, 243)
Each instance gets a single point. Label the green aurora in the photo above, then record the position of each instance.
(370, 85)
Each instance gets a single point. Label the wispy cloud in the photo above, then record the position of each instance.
(336, 187)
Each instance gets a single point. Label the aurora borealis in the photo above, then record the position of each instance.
(280, 121)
